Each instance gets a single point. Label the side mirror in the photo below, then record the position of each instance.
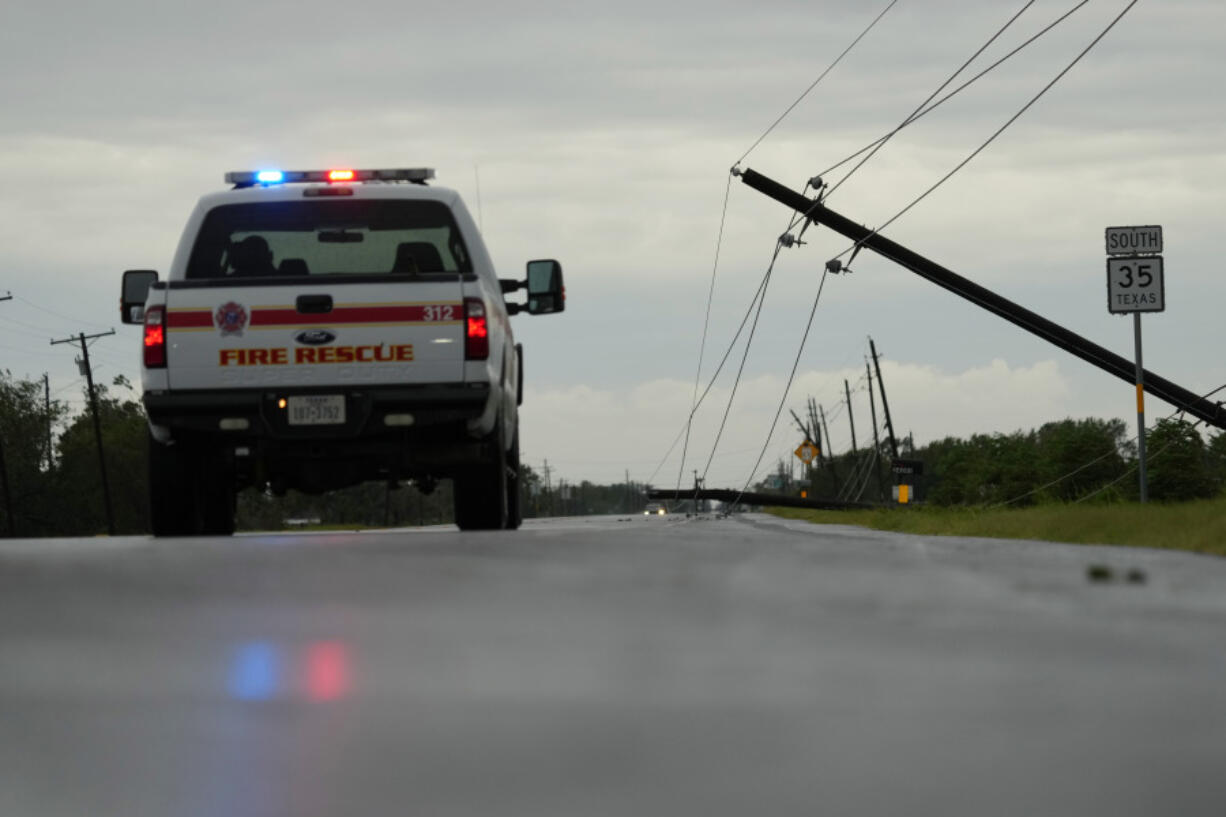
(133, 294)
(546, 292)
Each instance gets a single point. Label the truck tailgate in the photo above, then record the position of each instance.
(291, 334)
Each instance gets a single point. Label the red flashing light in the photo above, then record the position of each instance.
(477, 339)
(155, 338)
(340, 175)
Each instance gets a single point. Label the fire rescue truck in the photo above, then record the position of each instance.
(321, 328)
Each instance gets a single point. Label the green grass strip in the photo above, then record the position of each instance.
(1194, 526)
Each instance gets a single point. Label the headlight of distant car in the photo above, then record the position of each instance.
(660, 511)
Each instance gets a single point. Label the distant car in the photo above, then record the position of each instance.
(655, 509)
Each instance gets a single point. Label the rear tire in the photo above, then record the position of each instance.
(515, 510)
(171, 509)
(190, 490)
(481, 492)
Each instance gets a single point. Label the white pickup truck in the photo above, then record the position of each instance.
(322, 328)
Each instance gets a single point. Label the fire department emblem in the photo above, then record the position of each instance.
(231, 318)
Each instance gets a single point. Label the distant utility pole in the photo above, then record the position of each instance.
(81, 339)
(834, 471)
(885, 404)
(47, 410)
(872, 407)
(817, 432)
(548, 490)
(851, 419)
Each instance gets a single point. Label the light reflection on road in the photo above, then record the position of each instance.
(265, 671)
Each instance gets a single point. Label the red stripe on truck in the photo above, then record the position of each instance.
(339, 316)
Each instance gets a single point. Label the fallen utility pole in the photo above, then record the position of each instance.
(765, 500)
(850, 418)
(1032, 322)
(81, 339)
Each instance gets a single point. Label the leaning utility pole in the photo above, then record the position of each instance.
(81, 339)
(834, 471)
(817, 431)
(872, 407)
(814, 211)
(850, 418)
(885, 404)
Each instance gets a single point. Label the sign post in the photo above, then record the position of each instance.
(1136, 284)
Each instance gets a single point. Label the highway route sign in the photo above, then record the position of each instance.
(1135, 284)
(807, 452)
(1134, 240)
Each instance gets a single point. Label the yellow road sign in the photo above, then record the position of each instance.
(807, 452)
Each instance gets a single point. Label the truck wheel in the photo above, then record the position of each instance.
(215, 492)
(515, 511)
(481, 492)
(171, 494)
(190, 491)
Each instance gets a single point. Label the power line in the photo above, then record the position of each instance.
(815, 82)
(998, 132)
(702, 345)
(33, 305)
(959, 89)
(779, 244)
(718, 369)
(783, 399)
(911, 116)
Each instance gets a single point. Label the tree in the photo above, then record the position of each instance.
(1216, 455)
(125, 438)
(24, 421)
(1177, 466)
(1081, 454)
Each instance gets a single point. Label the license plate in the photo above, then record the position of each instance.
(316, 409)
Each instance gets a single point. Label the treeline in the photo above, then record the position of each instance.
(50, 479)
(1065, 461)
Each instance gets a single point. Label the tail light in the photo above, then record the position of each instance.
(477, 330)
(155, 337)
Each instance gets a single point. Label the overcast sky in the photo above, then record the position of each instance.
(602, 135)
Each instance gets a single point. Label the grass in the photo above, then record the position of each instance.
(1195, 526)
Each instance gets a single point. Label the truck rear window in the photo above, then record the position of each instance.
(353, 237)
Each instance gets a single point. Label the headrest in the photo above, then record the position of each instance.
(293, 266)
(417, 256)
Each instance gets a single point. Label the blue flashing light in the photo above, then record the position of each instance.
(270, 177)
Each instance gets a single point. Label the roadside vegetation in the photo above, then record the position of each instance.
(1198, 526)
(1068, 481)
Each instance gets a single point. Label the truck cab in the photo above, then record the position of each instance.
(317, 329)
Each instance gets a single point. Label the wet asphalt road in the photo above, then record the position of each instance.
(605, 666)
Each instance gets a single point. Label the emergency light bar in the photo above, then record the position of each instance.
(249, 178)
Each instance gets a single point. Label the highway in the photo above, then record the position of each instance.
(608, 666)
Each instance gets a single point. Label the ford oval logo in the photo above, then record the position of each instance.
(315, 337)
